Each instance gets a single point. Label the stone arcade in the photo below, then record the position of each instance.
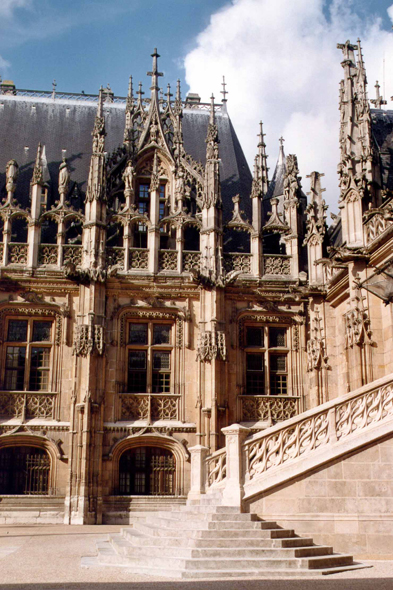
(155, 292)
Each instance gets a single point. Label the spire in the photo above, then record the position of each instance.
(224, 91)
(260, 182)
(178, 91)
(38, 173)
(140, 93)
(378, 101)
(154, 73)
(212, 195)
(130, 96)
(281, 154)
(95, 187)
(316, 208)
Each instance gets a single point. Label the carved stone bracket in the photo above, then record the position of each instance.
(316, 347)
(211, 346)
(88, 339)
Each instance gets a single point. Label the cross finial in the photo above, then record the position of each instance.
(154, 73)
(281, 155)
(54, 84)
(281, 140)
(178, 94)
(224, 91)
(378, 101)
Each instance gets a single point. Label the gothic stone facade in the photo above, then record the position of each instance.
(153, 291)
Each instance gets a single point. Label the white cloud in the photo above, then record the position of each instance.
(282, 66)
(8, 7)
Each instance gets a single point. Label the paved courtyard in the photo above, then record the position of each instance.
(49, 557)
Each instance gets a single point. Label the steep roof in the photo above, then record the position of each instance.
(66, 124)
(382, 129)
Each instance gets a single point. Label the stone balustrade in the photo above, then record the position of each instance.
(27, 405)
(149, 406)
(268, 408)
(236, 261)
(279, 453)
(277, 264)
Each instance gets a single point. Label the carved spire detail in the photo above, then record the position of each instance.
(378, 101)
(316, 209)
(96, 182)
(260, 183)
(212, 192)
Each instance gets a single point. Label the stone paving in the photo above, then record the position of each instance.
(49, 557)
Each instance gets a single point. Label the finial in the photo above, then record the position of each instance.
(168, 93)
(100, 102)
(54, 88)
(140, 93)
(212, 115)
(281, 155)
(224, 91)
(154, 73)
(261, 134)
(378, 101)
(178, 94)
(130, 89)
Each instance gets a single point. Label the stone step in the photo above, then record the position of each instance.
(204, 522)
(210, 508)
(148, 551)
(136, 537)
(237, 563)
(201, 516)
(205, 532)
(108, 556)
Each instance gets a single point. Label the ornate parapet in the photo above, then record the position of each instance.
(268, 408)
(27, 405)
(149, 406)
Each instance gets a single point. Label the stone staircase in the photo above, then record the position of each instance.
(209, 540)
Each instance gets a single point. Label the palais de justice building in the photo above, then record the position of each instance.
(154, 290)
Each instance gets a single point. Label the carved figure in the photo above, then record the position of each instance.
(12, 173)
(64, 177)
(128, 176)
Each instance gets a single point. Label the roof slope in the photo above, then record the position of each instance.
(68, 124)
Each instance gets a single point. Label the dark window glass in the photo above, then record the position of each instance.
(161, 382)
(255, 383)
(161, 360)
(17, 331)
(161, 334)
(162, 191)
(137, 371)
(278, 363)
(277, 337)
(39, 369)
(254, 336)
(255, 362)
(278, 384)
(15, 367)
(138, 334)
(41, 331)
(144, 191)
(137, 359)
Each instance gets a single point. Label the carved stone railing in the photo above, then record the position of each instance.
(149, 406)
(191, 260)
(216, 468)
(72, 254)
(26, 405)
(375, 226)
(139, 258)
(167, 260)
(277, 264)
(283, 452)
(239, 262)
(268, 408)
(115, 257)
(48, 254)
(17, 253)
(317, 428)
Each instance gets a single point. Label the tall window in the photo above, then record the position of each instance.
(149, 357)
(27, 355)
(143, 198)
(266, 360)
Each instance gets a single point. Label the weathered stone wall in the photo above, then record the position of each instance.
(347, 503)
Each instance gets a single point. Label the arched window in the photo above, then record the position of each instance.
(49, 232)
(19, 230)
(147, 471)
(24, 471)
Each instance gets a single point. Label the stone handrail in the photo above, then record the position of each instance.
(216, 468)
(275, 455)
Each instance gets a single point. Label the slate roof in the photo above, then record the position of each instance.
(382, 129)
(67, 125)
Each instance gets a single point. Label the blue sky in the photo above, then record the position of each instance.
(279, 58)
(86, 43)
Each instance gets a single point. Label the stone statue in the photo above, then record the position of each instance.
(64, 177)
(12, 172)
(128, 176)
